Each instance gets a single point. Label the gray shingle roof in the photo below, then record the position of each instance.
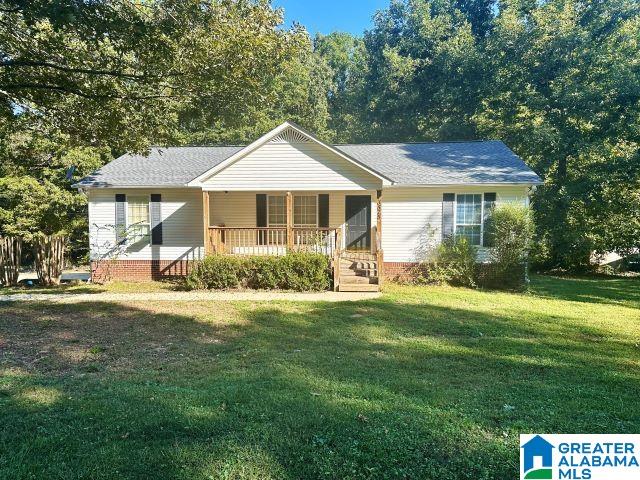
(446, 163)
(172, 166)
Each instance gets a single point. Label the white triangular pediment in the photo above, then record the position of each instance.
(294, 136)
(290, 135)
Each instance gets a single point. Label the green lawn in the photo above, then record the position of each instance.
(423, 382)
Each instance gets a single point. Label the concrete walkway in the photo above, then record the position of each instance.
(190, 296)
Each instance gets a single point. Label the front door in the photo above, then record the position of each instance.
(358, 222)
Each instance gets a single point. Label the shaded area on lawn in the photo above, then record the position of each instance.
(117, 286)
(594, 289)
(422, 383)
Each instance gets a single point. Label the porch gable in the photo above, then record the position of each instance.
(288, 158)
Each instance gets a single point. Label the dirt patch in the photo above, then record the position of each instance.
(94, 337)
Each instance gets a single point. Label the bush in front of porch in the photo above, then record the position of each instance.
(301, 271)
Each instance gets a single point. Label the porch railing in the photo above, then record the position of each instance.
(271, 240)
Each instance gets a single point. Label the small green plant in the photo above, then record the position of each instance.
(304, 271)
(96, 350)
(454, 263)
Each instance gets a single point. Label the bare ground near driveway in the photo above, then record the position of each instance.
(259, 296)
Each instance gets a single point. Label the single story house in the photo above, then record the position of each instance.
(376, 209)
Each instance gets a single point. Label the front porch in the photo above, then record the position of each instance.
(344, 226)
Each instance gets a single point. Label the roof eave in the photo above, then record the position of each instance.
(464, 184)
(97, 185)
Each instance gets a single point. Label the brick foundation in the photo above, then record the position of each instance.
(145, 270)
(399, 270)
(138, 270)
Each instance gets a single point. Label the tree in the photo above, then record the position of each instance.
(424, 73)
(480, 14)
(36, 174)
(346, 57)
(297, 93)
(118, 72)
(565, 95)
(81, 82)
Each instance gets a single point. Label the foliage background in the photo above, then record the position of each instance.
(557, 80)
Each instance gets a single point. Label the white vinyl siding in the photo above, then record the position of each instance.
(285, 166)
(412, 218)
(182, 236)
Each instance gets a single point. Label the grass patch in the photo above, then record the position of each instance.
(424, 382)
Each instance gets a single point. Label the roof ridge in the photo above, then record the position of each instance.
(202, 146)
(432, 142)
(239, 145)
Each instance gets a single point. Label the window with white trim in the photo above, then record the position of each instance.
(469, 217)
(277, 211)
(305, 211)
(277, 218)
(138, 225)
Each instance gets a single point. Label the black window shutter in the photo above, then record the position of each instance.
(121, 217)
(155, 209)
(448, 204)
(489, 203)
(261, 217)
(323, 210)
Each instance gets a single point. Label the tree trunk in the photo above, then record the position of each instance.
(49, 257)
(10, 255)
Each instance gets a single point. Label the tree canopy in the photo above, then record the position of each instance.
(81, 82)
(121, 72)
(557, 80)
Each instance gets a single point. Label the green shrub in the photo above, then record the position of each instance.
(296, 271)
(217, 272)
(511, 229)
(265, 272)
(453, 262)
(305, 271)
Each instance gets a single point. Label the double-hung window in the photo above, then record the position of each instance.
(277, 218)
(305, 214)
(138, 225)
(305, 211)
(469, 217)
(277, 211)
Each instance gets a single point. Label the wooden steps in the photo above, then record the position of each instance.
(358, 272)
(354, 287)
